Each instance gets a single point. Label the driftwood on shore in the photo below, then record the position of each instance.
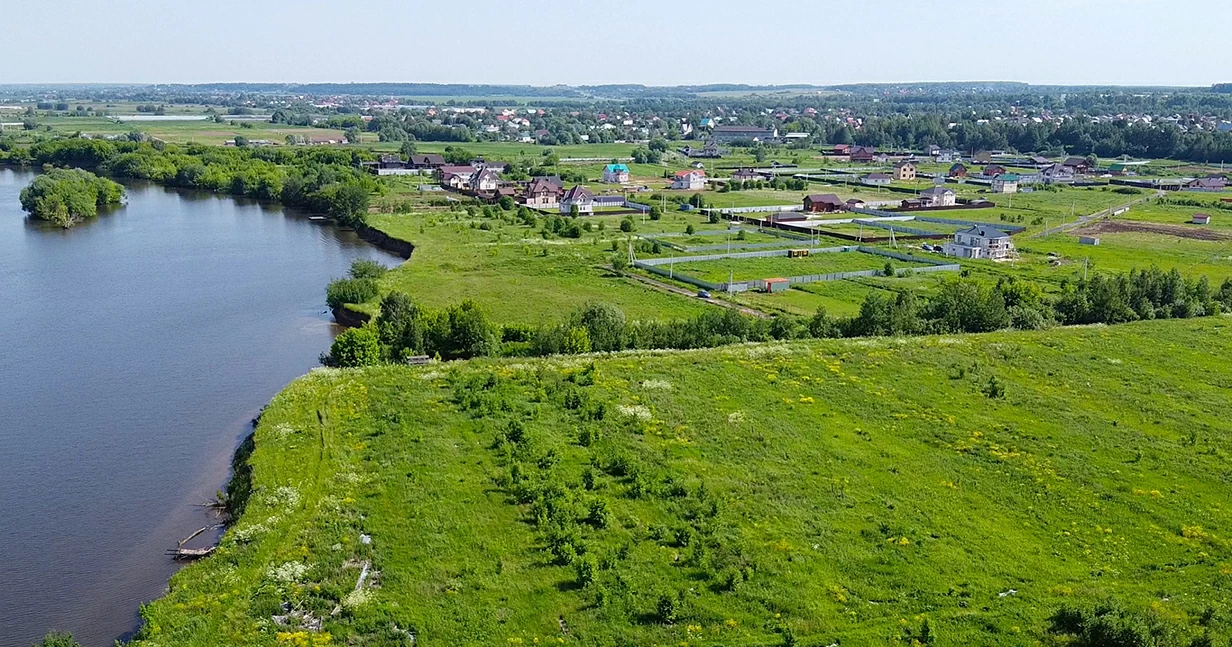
(182, 553)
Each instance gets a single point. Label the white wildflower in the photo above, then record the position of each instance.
(735, 417)
(657, 385)
(281, 430)
(249, 533)
(288, 572)
(356, 598)
(634, 411)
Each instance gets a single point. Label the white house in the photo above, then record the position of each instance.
(616, 174)
(938, 196)
(876, 179)
(578, 196)
(1005, 183)
(980, 242)
(485, 181)
(692, 180)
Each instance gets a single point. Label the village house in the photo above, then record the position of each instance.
(456, 177)
(853, 203)
(580, 197)
(1078, 165)
(980, 242)
(862, 154)
(932, 150)
(876, 179)
(993, 170)
(1005, 183)
(691, 180)
(1056, 173)
(947, 156)
(904, 171)
(1211, 183)
(543, 193)
(616, 174)
(427, 161)
(938, 196)
(485, 181)
(709, 151)
(842, 149)
(982, 157)
(746, 175)
(822, 203)
(958, 170)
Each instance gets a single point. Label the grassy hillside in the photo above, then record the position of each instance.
(802, 493)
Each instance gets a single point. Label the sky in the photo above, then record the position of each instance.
(584, 42)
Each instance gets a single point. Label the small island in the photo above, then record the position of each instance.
(69, 196)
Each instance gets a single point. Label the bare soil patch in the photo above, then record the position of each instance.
(1195, 232)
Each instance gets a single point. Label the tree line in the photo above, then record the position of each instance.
(317, 179)
(404, 329)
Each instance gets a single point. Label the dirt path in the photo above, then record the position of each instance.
(1137, 226)
(672, 289)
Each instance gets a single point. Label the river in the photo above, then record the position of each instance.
(134, 351)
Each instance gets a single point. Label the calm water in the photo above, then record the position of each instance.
(134, 350)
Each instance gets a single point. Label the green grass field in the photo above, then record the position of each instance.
(843, 491)
(513, 273)
(747, 269)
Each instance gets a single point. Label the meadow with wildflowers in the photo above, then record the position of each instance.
(996, 489)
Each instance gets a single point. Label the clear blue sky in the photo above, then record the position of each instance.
(1155, 42)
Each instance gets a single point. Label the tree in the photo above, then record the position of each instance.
(399, 325)
(241, 141)
(627, 224)
(68, 196)
(605, 325)
(58, 639)
(408, 148)
(352, 135)
(356, 347)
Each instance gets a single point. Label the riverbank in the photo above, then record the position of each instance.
(88, 397)
(638, 497)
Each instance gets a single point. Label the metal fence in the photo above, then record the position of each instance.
(655, 266)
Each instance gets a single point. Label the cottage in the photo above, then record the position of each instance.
(993, 170)
(1006, 183)
(580, 197)
(690, 180)
(876, 179)
(862, 154)
(1040, 162)
(904, 171)
(543, 193)
(616, 174)
(938, 196)
(932, 150)
(1201, 219)
(980, 242)
(842, 149)
(822, 203)
(1057, 173)
(854, 203)
(982, 157)
(958, 170)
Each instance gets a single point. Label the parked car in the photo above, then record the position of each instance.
(703, 294)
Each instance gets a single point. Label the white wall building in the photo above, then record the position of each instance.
(980, 242)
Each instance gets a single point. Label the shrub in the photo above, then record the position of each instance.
(362, 268)
(342, 291)
(627, 224)
(355, 347)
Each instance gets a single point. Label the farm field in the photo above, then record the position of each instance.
(180, 132)
(849, 490)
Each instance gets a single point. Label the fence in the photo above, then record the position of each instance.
(1009, 229)
(911, 231)
(655, 266)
